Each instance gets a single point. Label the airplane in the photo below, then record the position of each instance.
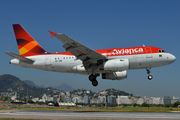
(109, 63)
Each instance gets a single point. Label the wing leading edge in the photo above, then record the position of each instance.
(85, 54)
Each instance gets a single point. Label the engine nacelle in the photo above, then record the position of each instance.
(79, 69)
(115, 65)
(115, 75)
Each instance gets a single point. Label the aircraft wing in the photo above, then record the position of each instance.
(86, 54)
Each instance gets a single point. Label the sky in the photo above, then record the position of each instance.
(98, 24)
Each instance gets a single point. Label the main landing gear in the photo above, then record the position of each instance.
(148, 72)
(92, 78)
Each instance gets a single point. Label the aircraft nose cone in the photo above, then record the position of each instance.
(172, 58)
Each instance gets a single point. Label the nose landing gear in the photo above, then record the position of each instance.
(148, 72)
(150, 77)
(92, 78)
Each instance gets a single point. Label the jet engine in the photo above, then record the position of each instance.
(115, 75)
(115, 65)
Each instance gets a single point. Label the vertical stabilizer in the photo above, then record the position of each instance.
(27, 45)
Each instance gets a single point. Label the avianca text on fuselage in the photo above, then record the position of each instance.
(110, 63)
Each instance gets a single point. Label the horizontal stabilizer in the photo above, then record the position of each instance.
(23, 59)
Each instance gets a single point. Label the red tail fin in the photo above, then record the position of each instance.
(27, 45)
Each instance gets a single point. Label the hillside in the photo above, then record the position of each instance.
(6, 80)
(64, 87)
(10, 83)
(31, 83)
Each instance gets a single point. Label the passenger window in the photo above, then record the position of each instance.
(69, 57)
(64, 57)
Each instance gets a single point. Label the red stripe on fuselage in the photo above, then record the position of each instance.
(121, 51)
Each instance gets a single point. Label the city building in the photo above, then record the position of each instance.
(174, 99)
(167, 100)
(95, 100)
(123, 100)
(102, 99)
(140, 101)
(86, 99)
(112, 99)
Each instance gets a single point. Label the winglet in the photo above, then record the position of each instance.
(52, 33)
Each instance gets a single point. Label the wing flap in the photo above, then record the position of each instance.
(23, 59)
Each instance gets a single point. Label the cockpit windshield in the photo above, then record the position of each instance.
(160, 51)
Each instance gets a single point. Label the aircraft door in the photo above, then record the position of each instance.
(48, 60)
(148, 52)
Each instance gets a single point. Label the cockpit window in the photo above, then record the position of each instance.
(160, 51)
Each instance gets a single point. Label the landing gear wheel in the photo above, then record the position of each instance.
(148, 72)
(150, 77)
(92, 77)
(95, 83)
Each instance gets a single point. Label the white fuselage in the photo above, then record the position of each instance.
(69, 63)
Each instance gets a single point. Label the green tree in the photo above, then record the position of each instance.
(168, 105)
(56, 104)
(30, 101)
(176, 104)
(145, 105)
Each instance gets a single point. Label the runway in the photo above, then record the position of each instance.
(76, 115)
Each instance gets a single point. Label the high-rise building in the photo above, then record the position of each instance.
(123, 100)
(112, 99)
(86, 99)
(174, 99)
(102, 99)
(167, 100)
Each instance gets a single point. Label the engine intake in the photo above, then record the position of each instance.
(115, 75)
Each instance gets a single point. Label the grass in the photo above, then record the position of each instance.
(109, 109)
(15, 119)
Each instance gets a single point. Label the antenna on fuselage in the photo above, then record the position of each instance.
(143, 45)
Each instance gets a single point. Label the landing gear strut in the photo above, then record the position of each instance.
(92, 78)
(148, 72)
